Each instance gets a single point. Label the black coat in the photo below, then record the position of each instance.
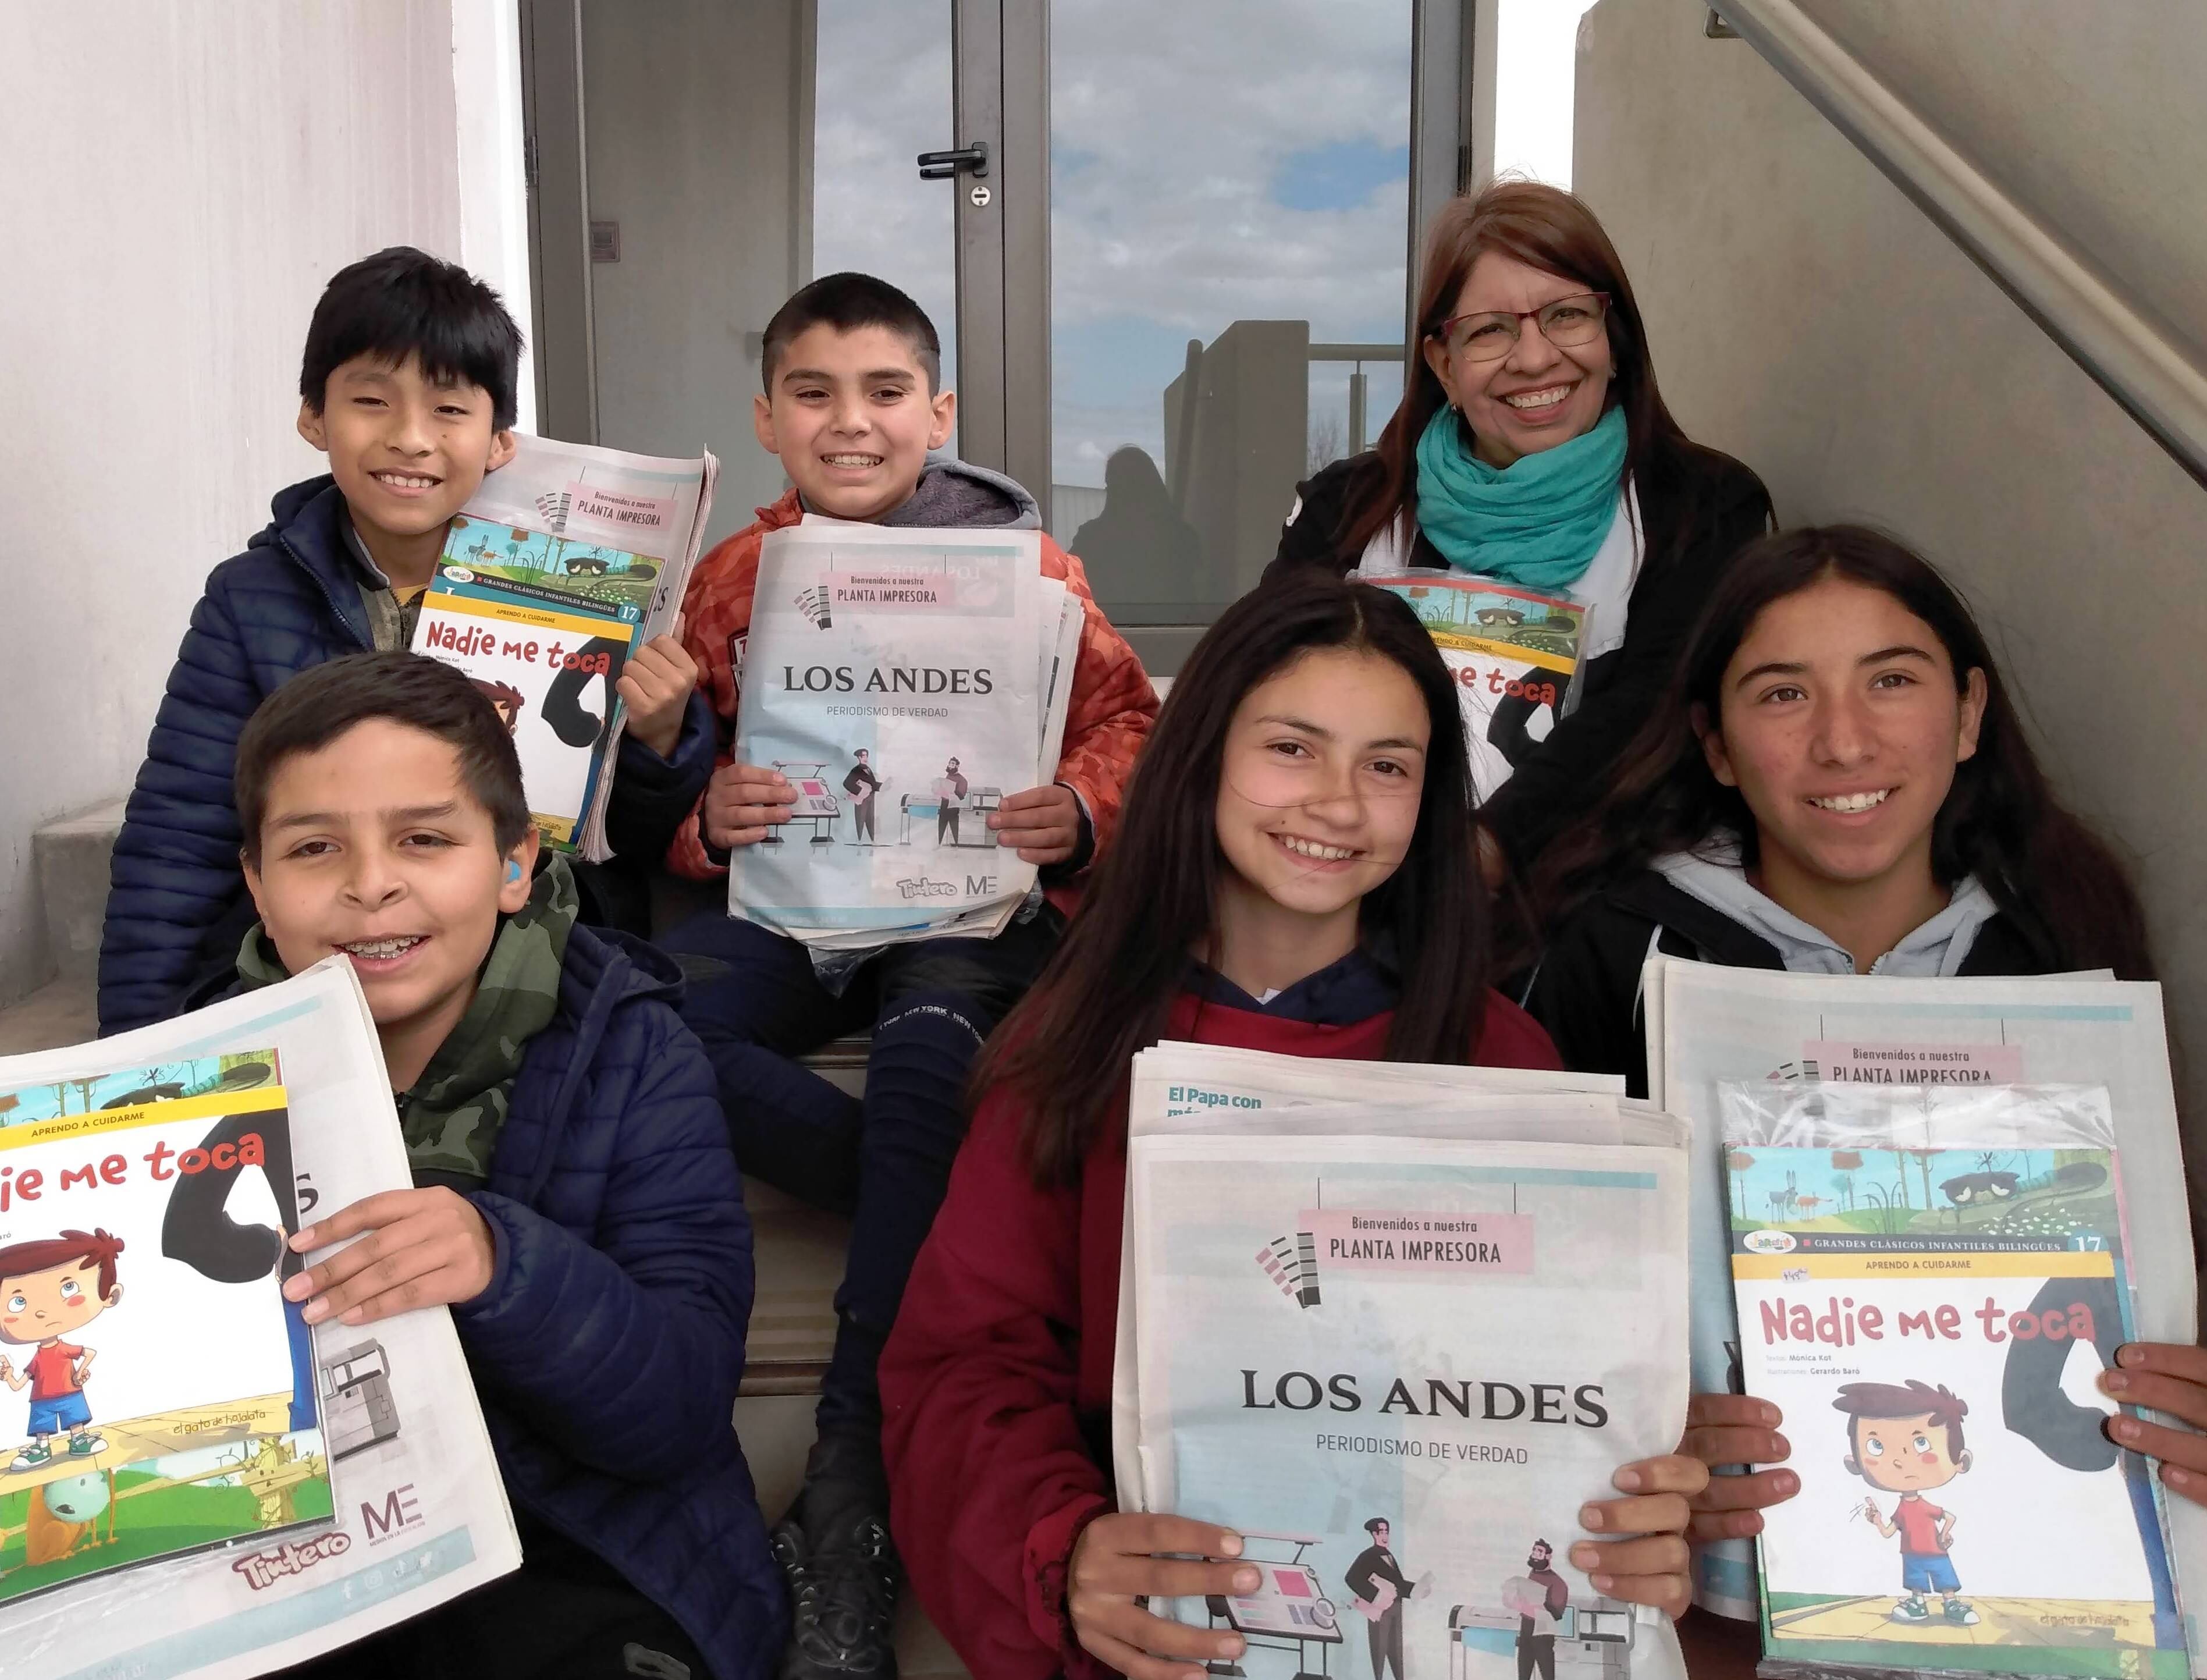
(1586, 990)
(1698, 513)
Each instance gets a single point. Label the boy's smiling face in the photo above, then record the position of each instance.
(42, 1305)
(853, 417)
(406, 452)
(1905, 1455)
(374, 848)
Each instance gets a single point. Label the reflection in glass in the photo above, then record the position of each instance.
(882, 97)
(1229, 186)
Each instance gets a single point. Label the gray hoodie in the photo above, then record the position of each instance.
(952, 493)
(1933, 951)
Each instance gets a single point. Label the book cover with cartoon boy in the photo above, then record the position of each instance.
(550, 662)
(1929, 1279)
(1514, 657)
(157, 1393)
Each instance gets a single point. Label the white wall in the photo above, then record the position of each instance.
(695, 133)
(1805, 317)
(181, 179)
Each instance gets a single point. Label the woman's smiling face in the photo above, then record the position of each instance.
(1539, 395)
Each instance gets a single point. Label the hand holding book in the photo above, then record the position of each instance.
(1735, 1429)
(1653, 1568)
(656, 686)
(424, 1248)
(2167, 1378)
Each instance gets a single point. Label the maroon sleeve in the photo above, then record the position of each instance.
(990, 1481)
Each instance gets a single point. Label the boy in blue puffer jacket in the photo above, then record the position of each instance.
(407, 384)
(576, 1203)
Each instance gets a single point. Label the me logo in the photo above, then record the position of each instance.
(401, 1510)
(980, 886)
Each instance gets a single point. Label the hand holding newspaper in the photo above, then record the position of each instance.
(1394, 1326)
(566, 561)
(363, 1490)
(905, 683)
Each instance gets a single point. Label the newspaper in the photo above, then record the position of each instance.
(1914, 1264)
(567, 560)
(1707, 1024)
(1345, 1331)
(1516, 658)
(416, 1513)
(904, 682)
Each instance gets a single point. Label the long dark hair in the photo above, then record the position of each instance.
(2062, 885)
(1065, 1050)
(1545, 227)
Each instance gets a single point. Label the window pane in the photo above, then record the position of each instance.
(1230, 183)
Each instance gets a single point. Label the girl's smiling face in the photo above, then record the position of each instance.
(1841, 721)
(1320, 781)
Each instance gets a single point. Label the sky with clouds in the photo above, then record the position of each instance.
(1223, 160)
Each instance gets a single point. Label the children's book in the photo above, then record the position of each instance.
(567, 560)
(550, 665)
(157, 1392)
(1514, 656)
(1928, 1278)
(1396, 1330)
(250, 1493)
(1707, 1024)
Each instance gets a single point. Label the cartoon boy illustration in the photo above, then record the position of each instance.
(1905, 1440)
(508, 700)
(50, 1288)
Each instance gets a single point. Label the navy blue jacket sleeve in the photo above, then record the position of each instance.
(176, 871)
(624, 1352)
(652, 795)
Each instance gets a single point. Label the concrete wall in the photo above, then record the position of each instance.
(181, 180)
(1807, 319)
(694, 142)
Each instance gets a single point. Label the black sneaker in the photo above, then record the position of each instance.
(843, 1585)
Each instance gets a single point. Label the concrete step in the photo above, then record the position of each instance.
(70, 858)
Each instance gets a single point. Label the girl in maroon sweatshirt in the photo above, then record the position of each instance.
(1292, 873)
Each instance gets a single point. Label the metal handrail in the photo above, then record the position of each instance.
(2076, 305)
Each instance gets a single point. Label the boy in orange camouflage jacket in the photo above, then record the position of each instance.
(853, 406)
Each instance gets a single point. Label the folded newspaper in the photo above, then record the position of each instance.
(1914, 1265)
(1395, 1325)
(1708, 1025)
(904, 682)
(566, 560)
(227, 1493)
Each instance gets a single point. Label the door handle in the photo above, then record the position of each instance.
(966, 161)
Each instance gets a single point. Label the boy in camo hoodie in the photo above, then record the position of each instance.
(575, 1202)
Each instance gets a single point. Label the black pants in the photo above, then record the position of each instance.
(1536, 1651)
(754, 1002)
(1386, 1635)
(565, 1615)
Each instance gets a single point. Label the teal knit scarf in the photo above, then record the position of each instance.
(1538, 521)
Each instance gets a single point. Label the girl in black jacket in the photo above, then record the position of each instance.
(1533, 446)
(1835, 783)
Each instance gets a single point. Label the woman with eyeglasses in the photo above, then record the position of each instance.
(1532, 445)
